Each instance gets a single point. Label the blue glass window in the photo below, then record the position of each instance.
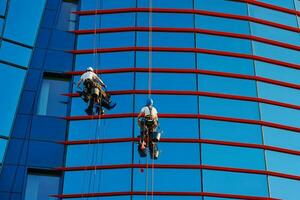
(110, 128)
(222, 24)
(272, 15)
(225, 85)
(163, 20)
(281, 138)
(230, 131)
(286, 4)
(236, 183)
(3, 7)
(225, 64)
(276, 53)
(283, 188)
(105, 60)
(9, 51)
(229, 44)
(274, 33)
(277, 72)
(3, 143)
(165, 81)
(118, 20)
(169, 180)
(229, 156)
(67, 20)
(51, 100)
(164, 39)
(101, 181)
(279, 115)
(12, 93)
(108, 40)
(229, 108)
(282, 162)
(162, 60)
(107, 4)
(99, 154)
(278, 93)
(40, 186)
(187, 4)
(24, 15)
(222, 6)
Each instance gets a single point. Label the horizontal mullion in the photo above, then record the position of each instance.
(180, 166)
(189, 116)
(188, 30)
(270, 6)
(190, 11)
(190, 71)
(186, 140)
(207, 94)
(156, 193)
(186, 50)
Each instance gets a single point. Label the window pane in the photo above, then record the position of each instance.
(2, 7)
(230, 131)
(51, 100)
(165, 81)
(66, 19)
(272, 15)
(167, 4)
(277, 72)
(225, 85)
(39, 186)
(229, 44)
(8, 52)
(235, 183)
(170, 180)
(281, 138)
(287, 3)
(101, 181)
(24, 15)
(12, 93)
(225, 64)
(2, 148)
(283, 163)
(229, 108)
(229, 156)
(162, 60)
(223, 6)
(283, 188)
(222, 24)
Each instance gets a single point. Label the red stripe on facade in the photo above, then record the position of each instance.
(270, 6)
(192, 71)
(187, 50)
(180, 166)
(207, 94)
(190, 116)
(186, 140)
(189, 11)
(189, 30)
(138, 193)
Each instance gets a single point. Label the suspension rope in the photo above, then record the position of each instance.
(150, 49)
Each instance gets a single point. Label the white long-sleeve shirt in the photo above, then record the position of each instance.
(92, 76)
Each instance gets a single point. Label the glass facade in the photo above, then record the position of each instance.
(224, 77)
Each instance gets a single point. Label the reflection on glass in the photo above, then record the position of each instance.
(40, 186)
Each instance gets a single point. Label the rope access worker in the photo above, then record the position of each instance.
(148, 122)
(93, 91)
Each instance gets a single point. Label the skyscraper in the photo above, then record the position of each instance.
(223, 75)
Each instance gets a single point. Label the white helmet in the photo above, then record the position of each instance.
(89, 69)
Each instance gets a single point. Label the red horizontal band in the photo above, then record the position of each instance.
(189, 116)
(189, 11)
(189, 30)
(207, 94)
(186, 140)
(138, 193)
(191, 71)
(187, 50)
(272, 7)
(172, 166)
